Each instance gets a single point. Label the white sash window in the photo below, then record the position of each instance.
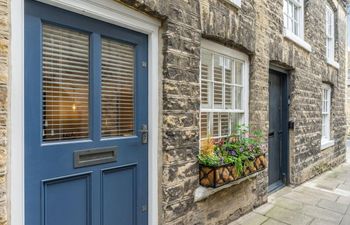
(329, 34)
(224, 90)
(326, 116)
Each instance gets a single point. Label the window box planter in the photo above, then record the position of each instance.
(217, 176)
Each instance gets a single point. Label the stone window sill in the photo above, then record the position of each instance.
(202, 193)
(297, 40)
(327, 144)
(236, 3)
(333, 63)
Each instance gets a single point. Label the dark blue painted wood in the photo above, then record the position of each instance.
(51, 182)
(124, 194)
(278, 129)
(55, 196)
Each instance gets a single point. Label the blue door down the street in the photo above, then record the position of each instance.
(86, 154)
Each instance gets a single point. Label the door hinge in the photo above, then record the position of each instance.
(144, 64)
(144, 134)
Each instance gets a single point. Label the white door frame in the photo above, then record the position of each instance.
(105, 10)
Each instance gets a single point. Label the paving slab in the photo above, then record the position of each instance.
(322, 214)
(324, 200)
(288, 216)
(273, 222)
(345, 220)
(302, 197)
(348, 211)
(328, 183)
(321, 222)
(344, 187)
(333, 206)
(250, 219)
(280, 193)
(318, 193)
(288, 203)
(264, 208)
(344, 200)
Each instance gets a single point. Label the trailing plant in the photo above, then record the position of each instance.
(238, 149)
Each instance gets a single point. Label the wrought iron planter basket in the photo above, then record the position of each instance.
(217, 176)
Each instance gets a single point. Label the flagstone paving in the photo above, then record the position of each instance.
(324, 200)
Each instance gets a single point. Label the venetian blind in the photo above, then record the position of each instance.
(117, 88)
(65, 83)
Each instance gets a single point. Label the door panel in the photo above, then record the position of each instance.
(278, 129)
(274, 129)
(85, 89)
(72, 190)
(119, 204)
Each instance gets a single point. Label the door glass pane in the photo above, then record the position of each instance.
(65, 72)
(118, 62)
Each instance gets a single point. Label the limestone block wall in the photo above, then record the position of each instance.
(4, 107)
(256, 29)
(347, 96)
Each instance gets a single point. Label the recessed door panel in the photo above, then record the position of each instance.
(120, 204)
(67, 201)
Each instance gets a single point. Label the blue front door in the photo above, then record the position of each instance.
(85, 120)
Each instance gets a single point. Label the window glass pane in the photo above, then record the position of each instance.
(218, 85)
(228, 96)
(238, 97)
(324, 126)
(218, 95)
(218, 68)
(238, 72)
(65, 84)
(206, 76)
(296, 28)
(236, 119)
(117, 88)
(204, 125)
(228, 71)
(215, 125)
(225, 124)
(326, 91)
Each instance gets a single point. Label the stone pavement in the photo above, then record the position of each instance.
(324, 200)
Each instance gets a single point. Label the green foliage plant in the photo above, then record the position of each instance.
(238, 149)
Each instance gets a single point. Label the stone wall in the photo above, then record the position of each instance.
(4, 107)
(347, 103)
(257, 30)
